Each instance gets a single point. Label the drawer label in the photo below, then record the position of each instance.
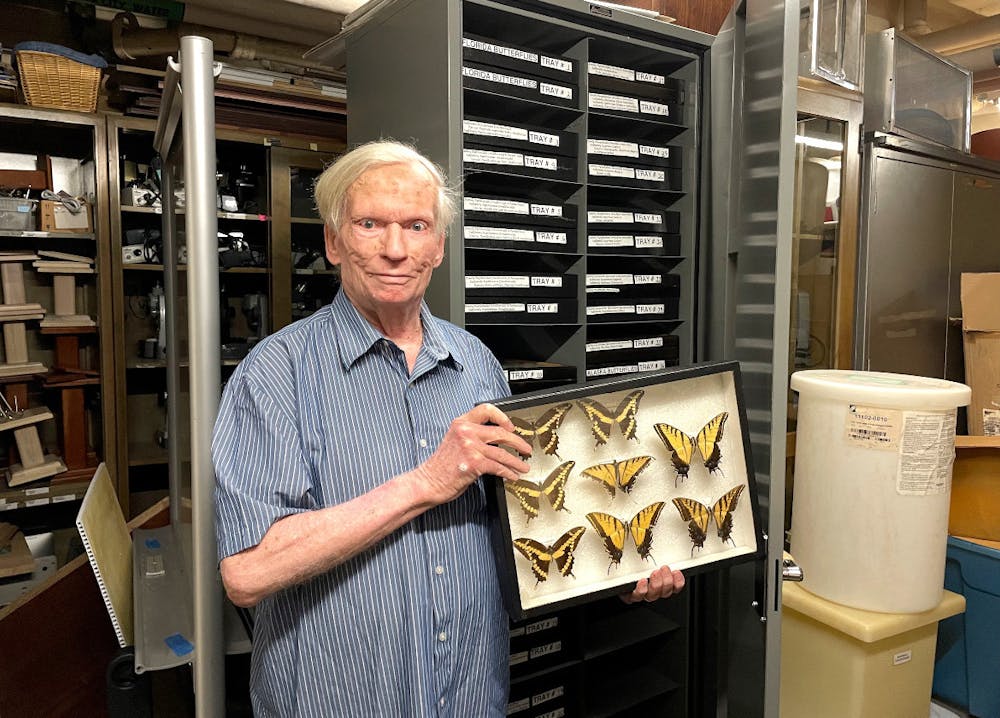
(497, 77)
(489, 129)
(496, 281)
(556, 63)
(611, 147)
(648, 342)
(543, 308)
(650, 175)
(619, 73)
(551, 237)
(613, 102)
(496, 307)
(543, 138)
(609, 346)
(654, 108)
(610, 217)
(649, 241)
(611, 171)
(547, 88)
(506, 234)
(501, 206)
(493, 158)
(547, 210)
(499, 50)
(544, 163)
(619, 240)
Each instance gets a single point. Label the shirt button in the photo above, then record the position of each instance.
(439, 570)
(423, 443)
(442, 636)
(441, 702)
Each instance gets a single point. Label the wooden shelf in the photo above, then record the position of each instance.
(40, 493)
(25, 234)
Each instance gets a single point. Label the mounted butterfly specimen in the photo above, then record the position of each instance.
(619, 474)
(602, 420)
(543, 428)
(553, 488)
(698, 515)
(682, 446)
(613, 531)
(541, 555)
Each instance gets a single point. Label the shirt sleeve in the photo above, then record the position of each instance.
(260, 473)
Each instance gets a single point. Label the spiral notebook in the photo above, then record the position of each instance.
(108, 544)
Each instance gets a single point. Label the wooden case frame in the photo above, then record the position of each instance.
(687, 400)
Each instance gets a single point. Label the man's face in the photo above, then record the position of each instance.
(388, 243)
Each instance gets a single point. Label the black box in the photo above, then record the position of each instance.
(500, 235)
(520, 310)
(529, 163)
(522, 136)
(485, 51)
(654, 457)
(482, 283)
(516, 84)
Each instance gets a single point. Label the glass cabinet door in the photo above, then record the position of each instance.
(303, 280)
(824, 249)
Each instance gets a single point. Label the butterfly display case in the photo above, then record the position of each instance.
(626, 476)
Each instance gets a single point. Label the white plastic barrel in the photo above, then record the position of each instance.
(873, 460)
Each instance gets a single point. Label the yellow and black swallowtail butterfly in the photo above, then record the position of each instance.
(682, 446)
(554, 488)
(698, 515)
(541, 555)
(619, 474)
(544, 428)
(602, 420)
(613, 531)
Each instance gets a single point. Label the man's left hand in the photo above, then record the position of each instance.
(662, 583)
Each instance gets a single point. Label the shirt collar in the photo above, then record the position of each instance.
(357, 336)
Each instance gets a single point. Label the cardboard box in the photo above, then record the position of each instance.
(981, 342)
(975, 488)
(55, 217)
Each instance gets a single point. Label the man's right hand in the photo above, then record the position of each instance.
(474, 445)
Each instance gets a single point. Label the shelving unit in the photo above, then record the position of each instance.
(257, 299)
(576, 142)
(578, 149)
(68, 280)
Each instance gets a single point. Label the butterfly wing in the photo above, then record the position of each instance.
(697, 515)
(606, 474)
(554, 486)
(628, 471)
(681, 447)
(543, 428)
(600, 419)
(708, 441)
(527, 493)
(563, 548)
(537, 553)
(723, 510)
(641, 527)
(612, 532)
(627, 412)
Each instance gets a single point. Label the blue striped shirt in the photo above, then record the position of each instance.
(319, 413)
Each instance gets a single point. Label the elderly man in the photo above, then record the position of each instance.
(348, 452)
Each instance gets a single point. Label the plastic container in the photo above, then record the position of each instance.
(967, 671)
(873, 460)
(18, 214)
(841, 662)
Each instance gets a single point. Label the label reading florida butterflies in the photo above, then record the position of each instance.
(927, 451)
(873, 428)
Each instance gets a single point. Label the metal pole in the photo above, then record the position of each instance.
(172, 356)
(198, 83)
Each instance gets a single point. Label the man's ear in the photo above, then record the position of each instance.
(332, 245)
(439, 256)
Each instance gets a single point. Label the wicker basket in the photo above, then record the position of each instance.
(58, 82)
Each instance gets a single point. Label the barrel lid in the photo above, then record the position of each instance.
(903, 391)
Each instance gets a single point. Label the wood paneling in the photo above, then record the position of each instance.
(704, 15)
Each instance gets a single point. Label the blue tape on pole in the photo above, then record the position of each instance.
(152, 543)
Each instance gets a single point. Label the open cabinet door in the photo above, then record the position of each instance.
(748, 294)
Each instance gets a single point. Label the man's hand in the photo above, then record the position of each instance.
(662, 583)
(473, 446)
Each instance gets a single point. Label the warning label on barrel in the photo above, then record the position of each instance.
(927, 452)
(872, 428)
